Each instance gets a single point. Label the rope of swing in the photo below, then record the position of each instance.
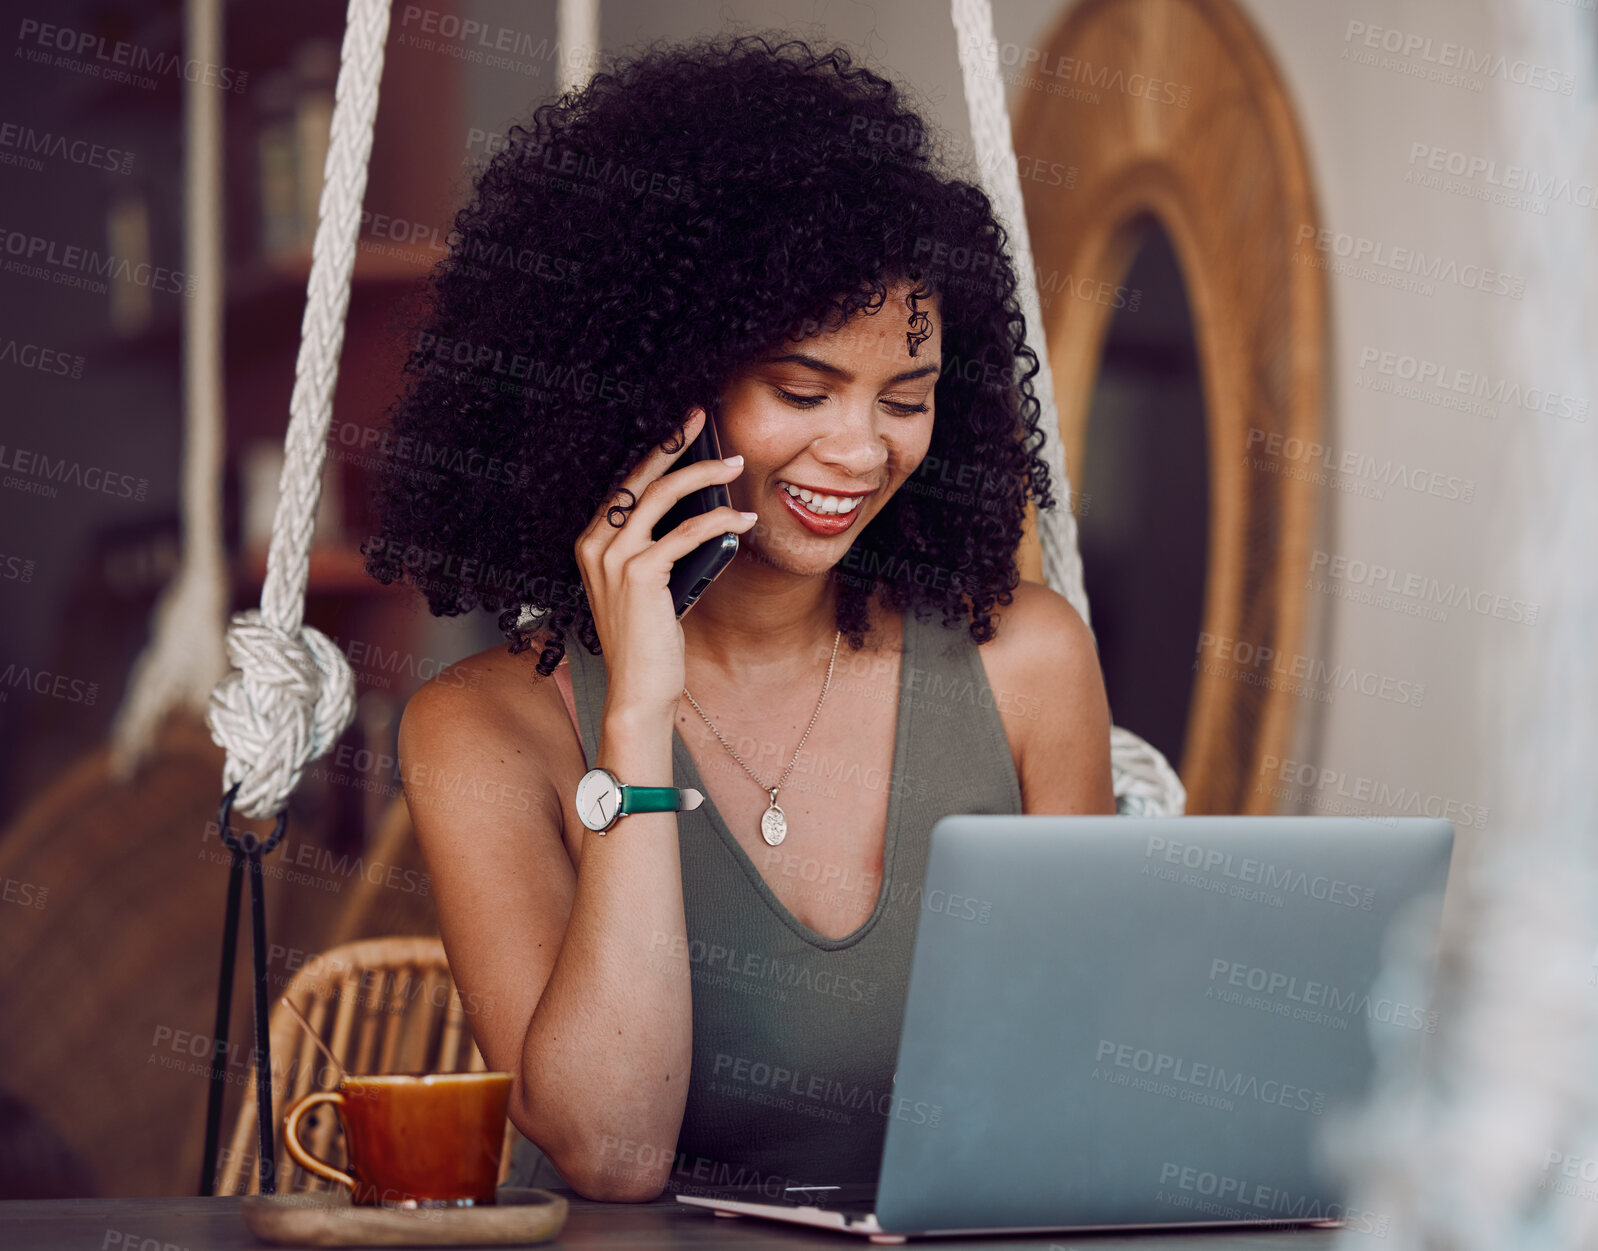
(291, 693)
(1145, 783)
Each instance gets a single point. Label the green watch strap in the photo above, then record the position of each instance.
(649, 799)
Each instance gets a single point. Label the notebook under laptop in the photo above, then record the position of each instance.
(1148, 1028)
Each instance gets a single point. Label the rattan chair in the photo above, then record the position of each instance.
(382, 1005)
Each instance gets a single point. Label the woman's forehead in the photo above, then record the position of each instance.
(905, 327)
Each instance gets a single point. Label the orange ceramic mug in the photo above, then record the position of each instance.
(413, 1140)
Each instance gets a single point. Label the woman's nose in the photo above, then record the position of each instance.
(854, 445)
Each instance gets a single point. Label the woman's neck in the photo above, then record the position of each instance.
(756, 618)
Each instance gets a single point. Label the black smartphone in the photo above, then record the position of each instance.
(697, 570)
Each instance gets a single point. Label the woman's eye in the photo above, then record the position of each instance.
(810, 401)
(799, 401)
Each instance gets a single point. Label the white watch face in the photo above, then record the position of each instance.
(598, 799)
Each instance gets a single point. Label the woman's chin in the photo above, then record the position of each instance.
(798, 554)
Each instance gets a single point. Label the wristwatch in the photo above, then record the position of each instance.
(602, 800)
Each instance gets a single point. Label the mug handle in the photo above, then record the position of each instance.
(291, 1137)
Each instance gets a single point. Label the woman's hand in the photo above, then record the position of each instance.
(626, 572)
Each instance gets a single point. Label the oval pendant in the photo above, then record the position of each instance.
(773, 825)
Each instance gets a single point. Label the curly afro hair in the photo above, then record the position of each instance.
(624, 255)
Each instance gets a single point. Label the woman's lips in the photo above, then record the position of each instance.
(815, 522)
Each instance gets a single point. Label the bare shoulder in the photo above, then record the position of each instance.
(1043, 667)
(1038, 635)
(493, 716)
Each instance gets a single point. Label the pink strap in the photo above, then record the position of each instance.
(563, 680)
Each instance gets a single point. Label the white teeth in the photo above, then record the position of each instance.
(823, 505)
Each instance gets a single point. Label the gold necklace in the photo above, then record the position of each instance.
(773, 823)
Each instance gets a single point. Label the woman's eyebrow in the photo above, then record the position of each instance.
(827, 367)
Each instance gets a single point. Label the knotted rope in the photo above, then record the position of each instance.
(292, 692)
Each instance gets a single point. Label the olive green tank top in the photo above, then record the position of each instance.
(796, 1035)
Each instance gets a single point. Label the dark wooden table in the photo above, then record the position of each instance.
(193, 1224)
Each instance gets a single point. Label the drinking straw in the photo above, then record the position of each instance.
(316, 1038)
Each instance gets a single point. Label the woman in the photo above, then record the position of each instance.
(712, 995)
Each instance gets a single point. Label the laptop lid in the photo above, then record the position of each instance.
(1116, 1021)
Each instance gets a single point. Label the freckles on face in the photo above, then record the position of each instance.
(834, 423)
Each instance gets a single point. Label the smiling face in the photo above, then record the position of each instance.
(829, 429)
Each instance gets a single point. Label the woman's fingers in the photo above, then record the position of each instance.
(662, 455)
(663, 493)
(631, 515)
(613, 514)
(672, 547)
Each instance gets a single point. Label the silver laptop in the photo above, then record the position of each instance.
(1144, 1022)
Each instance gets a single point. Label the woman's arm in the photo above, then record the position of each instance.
(568, 973)
(1043, 668)
(590, 949)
